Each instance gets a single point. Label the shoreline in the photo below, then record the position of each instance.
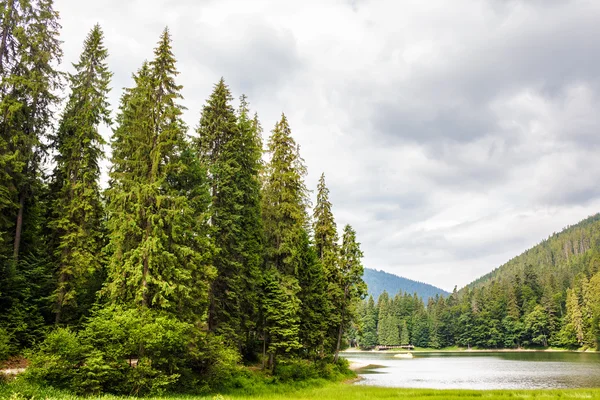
(462, 350)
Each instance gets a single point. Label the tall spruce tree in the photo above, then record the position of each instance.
(326, 238)
(29, 88)
(159, 249)
(231, 148)
(77, 207)
(284, 203)
(315, 310)
(351, 283)
(29, 55)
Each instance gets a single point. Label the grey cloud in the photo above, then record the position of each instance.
(254, 57)
(452, 137)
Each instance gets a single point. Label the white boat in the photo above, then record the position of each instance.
(404, 355)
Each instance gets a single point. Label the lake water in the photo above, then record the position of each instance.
(495, 370)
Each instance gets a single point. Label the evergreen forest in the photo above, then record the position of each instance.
(203, 253)
(547, 296)
(199, 263)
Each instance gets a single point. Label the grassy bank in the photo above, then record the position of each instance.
(319, 390)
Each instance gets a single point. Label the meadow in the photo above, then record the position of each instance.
(314, 390)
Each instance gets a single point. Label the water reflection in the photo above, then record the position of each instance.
(502, 370)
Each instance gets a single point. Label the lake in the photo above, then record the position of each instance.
(479, 370)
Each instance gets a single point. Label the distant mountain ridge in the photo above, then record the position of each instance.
(573, 250)
(378, 281)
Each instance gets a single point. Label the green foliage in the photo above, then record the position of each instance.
(5, 345)
(121, 351)
(158, 243)
(77, 208)
(281, 308)
(29, 83)
(194, 256)
(230, 146)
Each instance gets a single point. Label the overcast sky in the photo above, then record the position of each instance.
(454, 134)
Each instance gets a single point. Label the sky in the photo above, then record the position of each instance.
(453, 135)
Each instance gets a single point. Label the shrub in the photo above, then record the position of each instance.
(97, 359)
(56, 361)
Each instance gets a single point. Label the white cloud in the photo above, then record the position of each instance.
(453, 137)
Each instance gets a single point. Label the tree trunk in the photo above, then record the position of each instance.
(19, 227)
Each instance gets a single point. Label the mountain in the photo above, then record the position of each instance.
(378, 281)
(561, 257)
(547, 296)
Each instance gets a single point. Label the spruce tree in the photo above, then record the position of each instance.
(351, 283)
(77, 208)
(368, 331)
(315, 311)
(231, 148)
(281, 309)
(326, 238)
(29, 82)
(158, 245)
(405, 335)
(284, 215)
(29, 86)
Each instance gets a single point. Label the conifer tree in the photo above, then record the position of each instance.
(285, 199)
(326, 238)
(368, 331)
(77, 208)
(351, 283)
(281, 309)
(405, 335)
(231, 148)
(324, 228)
(31, 52)
(158, 245)
(29, 82)
(574, 317)
(284, 216)
(315, 310)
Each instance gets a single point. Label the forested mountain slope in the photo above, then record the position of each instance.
(562, 256)
(547, 296)
(378, 281)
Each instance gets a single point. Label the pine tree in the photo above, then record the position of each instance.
(574, 316)
(405, 335)
(284, 216)
(158, 245)
(230, 146)
(29, 85)
(29, 82)
(315, 311)
(285, 199)
(324, 228)
(326, 238)
(351, 283)
(281, 308)
(77, 208)
(368, 331)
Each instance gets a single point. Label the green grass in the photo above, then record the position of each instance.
(22, 391)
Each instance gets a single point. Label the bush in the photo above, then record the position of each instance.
(56, 361)
(119, 351)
